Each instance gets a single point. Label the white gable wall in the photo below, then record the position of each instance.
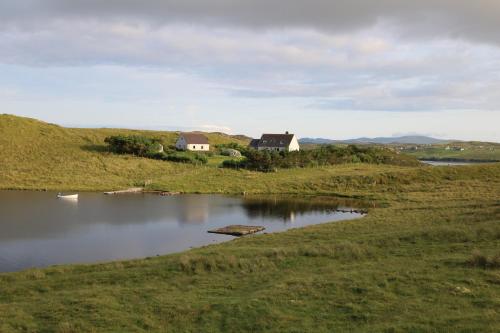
(294, 144)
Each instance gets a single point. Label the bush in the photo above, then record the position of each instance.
(232, 164)
(150, 148)
(133, 144)
(224, 148)
(264, 160)
(185, 158)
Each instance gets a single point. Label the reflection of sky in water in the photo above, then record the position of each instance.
(36, 229)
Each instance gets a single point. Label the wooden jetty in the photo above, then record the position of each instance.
(129, 190)
(355, 211)
(237, 230)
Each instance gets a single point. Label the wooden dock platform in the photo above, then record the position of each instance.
(237, 230)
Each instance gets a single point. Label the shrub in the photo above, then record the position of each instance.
(232, 164)
(325, 155)
(133, 144)
(185, 158)
(150, 148)
(224, 148)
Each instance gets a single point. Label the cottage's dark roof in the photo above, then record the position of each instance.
(275, 140)
(254, 143)
(195, 138)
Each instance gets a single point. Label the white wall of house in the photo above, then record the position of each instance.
(198, 147)
(294, 144)
(183, 145)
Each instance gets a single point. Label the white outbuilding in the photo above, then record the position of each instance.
(193, 142)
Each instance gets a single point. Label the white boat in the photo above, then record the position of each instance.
(69, 196)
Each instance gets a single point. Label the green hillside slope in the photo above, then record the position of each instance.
(37, 155)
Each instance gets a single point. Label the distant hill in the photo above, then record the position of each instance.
(415, 139)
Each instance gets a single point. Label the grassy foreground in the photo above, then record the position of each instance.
(425, 259)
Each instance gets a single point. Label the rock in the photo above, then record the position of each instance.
(231, 152)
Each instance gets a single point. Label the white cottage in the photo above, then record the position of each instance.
(276, 142)
(193, 142)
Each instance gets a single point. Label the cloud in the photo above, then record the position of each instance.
(215, 128)
(367, 70)
(330, 55)
(473, 20)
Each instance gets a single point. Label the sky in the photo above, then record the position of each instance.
(317, 68)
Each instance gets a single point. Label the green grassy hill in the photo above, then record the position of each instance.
(37, 155)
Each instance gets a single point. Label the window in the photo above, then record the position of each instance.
(194, 147)
(201, 147)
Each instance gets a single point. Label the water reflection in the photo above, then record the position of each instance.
(288, 208)
(36, 229)
(193, 209)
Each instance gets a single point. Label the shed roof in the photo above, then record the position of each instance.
(195, 138)
(276, 140)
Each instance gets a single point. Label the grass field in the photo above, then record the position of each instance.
(37, 155)
(424, 259)
(473, 151)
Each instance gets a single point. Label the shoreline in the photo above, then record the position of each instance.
(458, 160)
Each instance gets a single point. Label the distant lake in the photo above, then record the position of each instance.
(38, 230)
(440, 163)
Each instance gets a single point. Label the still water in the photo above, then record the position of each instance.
(449, 163)
(38, 230)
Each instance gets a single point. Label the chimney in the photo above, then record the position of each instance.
(287, 132)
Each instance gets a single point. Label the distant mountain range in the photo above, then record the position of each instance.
(414, 139)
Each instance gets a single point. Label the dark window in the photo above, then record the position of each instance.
(201, 147)
(194, 147)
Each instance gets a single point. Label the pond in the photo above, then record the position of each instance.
(38, 230)
(450, 163)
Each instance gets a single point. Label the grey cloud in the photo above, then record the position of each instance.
(312, 58)
(474, 20)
